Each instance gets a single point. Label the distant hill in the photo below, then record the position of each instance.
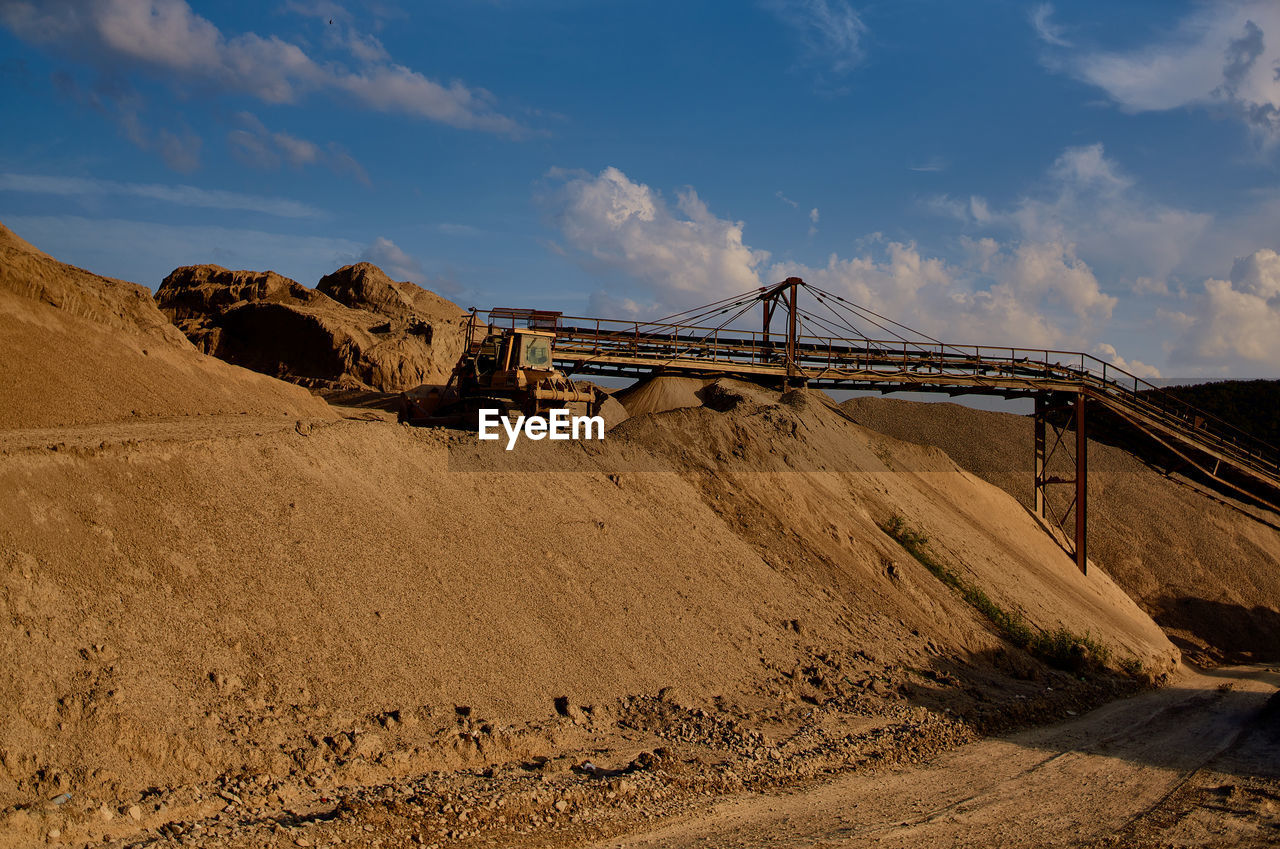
(1251, 405)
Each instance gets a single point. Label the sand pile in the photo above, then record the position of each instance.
(661, 394)
(77, 348)
(200, 608)
(226, 604)
(358, 329)
(1205, 570)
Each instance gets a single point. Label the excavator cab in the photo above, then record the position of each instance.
(500, 360)
(512, 370)
(534, 347)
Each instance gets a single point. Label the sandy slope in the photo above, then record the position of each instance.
(78, 348)
(180, 609)
(210, 617)
(1208, 571)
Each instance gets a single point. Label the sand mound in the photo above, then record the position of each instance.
(194, 604)
(1206, 571)
(665, 393)
(30, 273)
(264, 594)
(613, 412)
(358, 330)
(77, 348)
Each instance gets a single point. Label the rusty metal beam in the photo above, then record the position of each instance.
(792, 369)
(1082, 487)
(1052, 413)
(1039, 454)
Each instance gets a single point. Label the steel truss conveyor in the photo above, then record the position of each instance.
(1064, 384)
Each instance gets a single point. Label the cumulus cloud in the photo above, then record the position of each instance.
(1088, 201)
(830, 32)
(1028, 293)
(1035, 295)
(685, 256)
(167, 38)
(1135, 367)
(1236, 323)
(1223, 55)
(180, 195)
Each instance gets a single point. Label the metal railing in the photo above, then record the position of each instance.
(605, 346)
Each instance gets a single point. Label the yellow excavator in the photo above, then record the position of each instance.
(511, 370)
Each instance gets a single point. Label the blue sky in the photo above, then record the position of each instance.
(1093, 176)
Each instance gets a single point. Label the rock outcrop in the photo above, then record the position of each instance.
(358, 329)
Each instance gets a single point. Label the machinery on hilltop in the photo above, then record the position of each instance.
(510, 370)
(830, 342)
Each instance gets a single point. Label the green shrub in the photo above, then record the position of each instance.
(1060, 647)
(1133, 667)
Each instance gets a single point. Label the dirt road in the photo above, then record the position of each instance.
(1195, 764)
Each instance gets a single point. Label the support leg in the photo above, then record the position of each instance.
(1039, 461)
(1082, 487)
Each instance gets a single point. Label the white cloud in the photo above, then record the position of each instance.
(167, 38)
(685, 256)
(1035, 295)
(179, 194)
(255, 145)
(1095, 206)
(1134, 367)
(1089, 202)
(830, 32)
(1047, 30)
(1030, 293)
(933, 164)
(1236, 323)
(813, 215)
(296, 151)
(366, 48)
(392, 259)
(395, 88)
(399, 264)
(1222, 55)
(340, 30)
